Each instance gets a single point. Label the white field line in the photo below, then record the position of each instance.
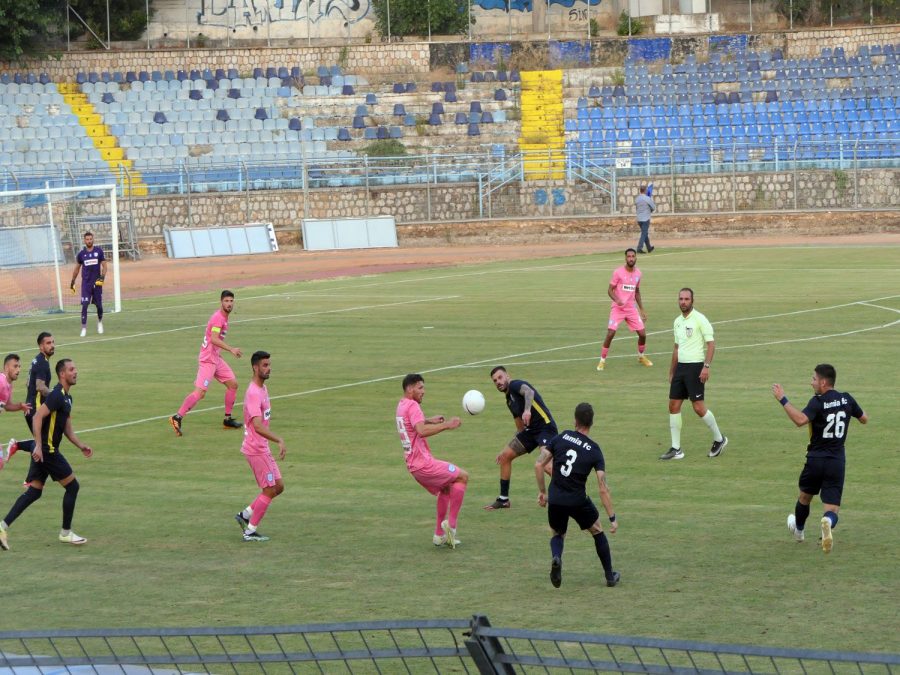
(507, 357)
(262, 318)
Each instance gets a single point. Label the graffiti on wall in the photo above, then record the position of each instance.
(249, 13)
(523, 5)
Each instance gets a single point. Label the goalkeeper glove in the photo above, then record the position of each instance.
(99, 281)
(72, 288)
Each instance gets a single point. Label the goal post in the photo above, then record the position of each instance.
(41, 232)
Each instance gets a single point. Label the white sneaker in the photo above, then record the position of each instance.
(438, 540)
(827, 537)
(450, 535)
(792, 526)
(72, 538)
(100, 327)
(83, 331)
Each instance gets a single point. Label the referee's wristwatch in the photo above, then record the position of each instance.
(706, 365)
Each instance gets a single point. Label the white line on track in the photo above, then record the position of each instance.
(506, 357)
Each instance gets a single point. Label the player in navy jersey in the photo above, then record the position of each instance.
(575, 455)
(51, 422)
(828, 415)
(38, 389)
(91, 262)
(534, 428)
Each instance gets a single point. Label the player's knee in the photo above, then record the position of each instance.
(72, 487)
(463, 477)
(279, 488)
(232, 384)
(200, 393)
(32, 494)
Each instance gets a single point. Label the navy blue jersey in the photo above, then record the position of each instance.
(60, 405)
(540, 413)
(575, 456)
(40, 370)
(829, 421)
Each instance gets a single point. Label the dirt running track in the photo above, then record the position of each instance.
(440, 247)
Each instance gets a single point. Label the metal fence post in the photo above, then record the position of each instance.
(673, 198)
(366, 168)
(429, 164)
(856, 172)
(795, 175)
(484, 650)
(733, 177)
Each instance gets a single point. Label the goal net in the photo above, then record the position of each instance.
(41, 232)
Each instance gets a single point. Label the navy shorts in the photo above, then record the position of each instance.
(825, 474)
(585, 514)
(55, 465)
(686, 383)
(527, 440)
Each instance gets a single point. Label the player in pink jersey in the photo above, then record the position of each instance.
(625, 292)
(440, 478)
(11, 369)
(212, 366)
(257, 411)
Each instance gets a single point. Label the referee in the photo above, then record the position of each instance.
(692, 358)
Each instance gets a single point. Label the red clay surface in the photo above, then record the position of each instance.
(156, 275)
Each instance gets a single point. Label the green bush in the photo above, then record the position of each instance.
(389, 147)
(637, 26)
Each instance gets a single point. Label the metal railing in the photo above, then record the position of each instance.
(437, 646)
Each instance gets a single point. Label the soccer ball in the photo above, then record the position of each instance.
(473, 402)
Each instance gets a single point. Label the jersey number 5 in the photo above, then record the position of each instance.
(566, 469)
(835, 420)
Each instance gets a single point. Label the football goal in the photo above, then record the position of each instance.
(41, 232)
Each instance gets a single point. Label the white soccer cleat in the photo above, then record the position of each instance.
(100, 327)
(438, 539)
(792, 526)
(450, 535)
(72, 538)
(83, 331)
(827, 537)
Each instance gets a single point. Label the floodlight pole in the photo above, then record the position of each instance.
(108, 33)
(147, 10)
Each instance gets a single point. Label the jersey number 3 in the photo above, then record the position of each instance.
(836, 425)
(566, 469)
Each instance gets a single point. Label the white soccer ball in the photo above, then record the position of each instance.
(473, 402)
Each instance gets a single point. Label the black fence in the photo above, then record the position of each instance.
(434, 646)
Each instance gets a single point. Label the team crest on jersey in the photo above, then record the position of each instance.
(205, 383)
(267, 414)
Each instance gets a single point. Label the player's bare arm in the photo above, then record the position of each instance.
(437, 419)
(611, 292)
(796, 416)
(221, 344)
(267, 434)
(674, 363)
(637, 299)
(425, 429)
(75, 276)
(528, 394)
(16, 407)
(86, 450)
(710, 351)
(541, 468)
(36, 423)
(606, 500)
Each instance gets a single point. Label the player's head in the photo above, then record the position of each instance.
(686, 300)
(500, 378)
(414, 386)
(261, 365)
(46, 343)
(12, 366)
(66, 372)
(89, 239)
(824, 377)
(643, 189)
(227, 300)
(630, 257)
(584, 415)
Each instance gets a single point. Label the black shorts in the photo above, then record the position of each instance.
(527, 440)
(585, 514)
(28, 419)
(686, 382)
(825, 474)
(55, 465)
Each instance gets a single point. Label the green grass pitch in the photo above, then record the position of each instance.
(702, 546)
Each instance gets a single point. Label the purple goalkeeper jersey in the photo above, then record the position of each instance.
(90, 268)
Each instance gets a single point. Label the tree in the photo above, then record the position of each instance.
(411, 17)
(29, 28)
(127, 18)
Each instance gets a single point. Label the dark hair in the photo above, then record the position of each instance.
(689, 290)
(61, 365)
(88, 233)
(630, 249)
(43, 335)
(584, 415)
(411, 379)
(259, 356)
(643, 189)
(496, 368)
(226, 294)
(10, 357)
(827, 372)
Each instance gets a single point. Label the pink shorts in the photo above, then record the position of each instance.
(207, 372)
(436, 475)
(631, 316)
(265, 469)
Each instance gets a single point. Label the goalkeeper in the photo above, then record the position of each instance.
(91, 262)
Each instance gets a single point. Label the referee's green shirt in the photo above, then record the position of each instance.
(692, 332)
